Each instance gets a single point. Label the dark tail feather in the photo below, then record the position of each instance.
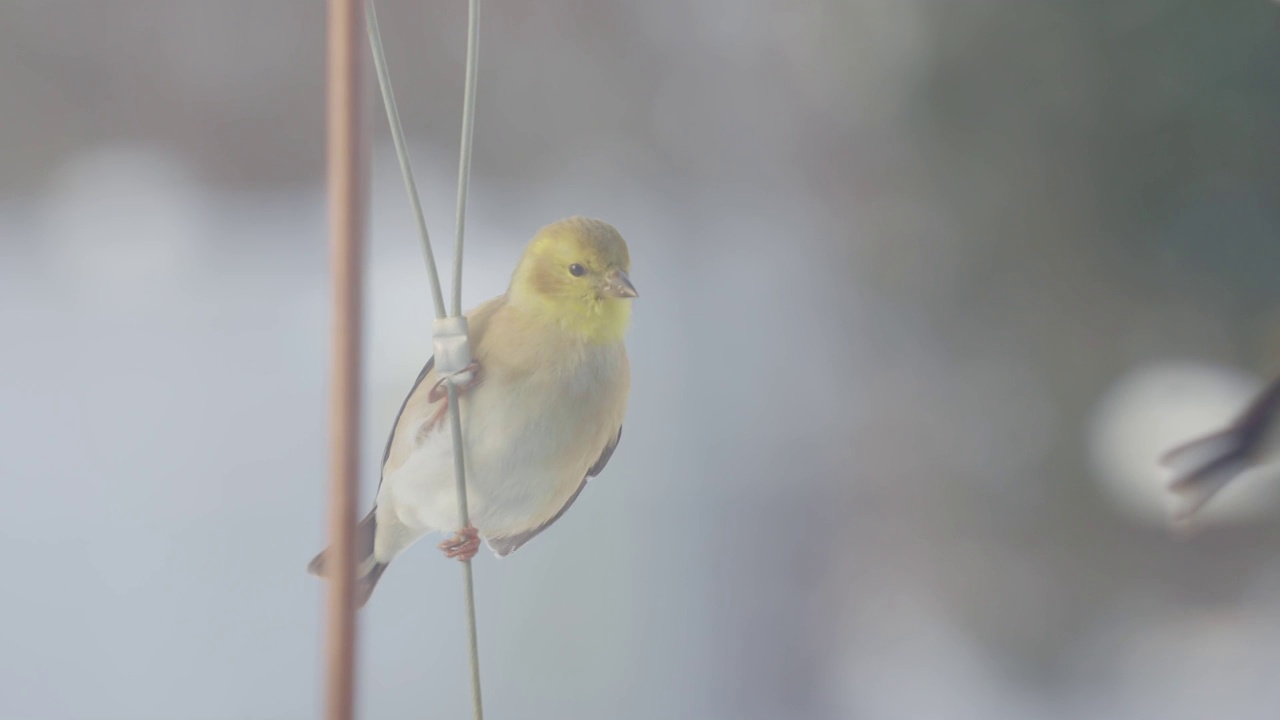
(1202, 450)
(1204, 467)
(368, 570)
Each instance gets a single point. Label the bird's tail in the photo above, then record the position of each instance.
(368, 569)
(1204, 466)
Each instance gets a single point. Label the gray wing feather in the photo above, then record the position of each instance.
(386, 452)
(504, 546)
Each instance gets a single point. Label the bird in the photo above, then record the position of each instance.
(541, 415)
(1206, 464)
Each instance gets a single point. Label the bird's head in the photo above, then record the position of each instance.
(574, 274)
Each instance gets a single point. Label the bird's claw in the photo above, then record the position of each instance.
(463, 545)
(467, 378)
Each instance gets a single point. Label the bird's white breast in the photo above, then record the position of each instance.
(529, 444)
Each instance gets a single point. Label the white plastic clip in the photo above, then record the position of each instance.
(453, 352)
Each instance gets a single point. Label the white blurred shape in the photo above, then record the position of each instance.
(120, 221)
(1156, 408)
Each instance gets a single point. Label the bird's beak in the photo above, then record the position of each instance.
(618, 285)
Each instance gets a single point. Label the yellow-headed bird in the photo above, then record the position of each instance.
(543, 417)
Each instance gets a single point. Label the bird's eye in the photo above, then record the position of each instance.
(577, 270)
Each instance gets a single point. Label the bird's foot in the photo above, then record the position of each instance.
(463, 545)
(467, 378)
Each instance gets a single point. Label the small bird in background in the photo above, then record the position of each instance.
(1205, 465)
(541, 417)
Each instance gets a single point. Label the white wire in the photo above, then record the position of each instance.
(464, 155)
(464, 176)
(402, 153)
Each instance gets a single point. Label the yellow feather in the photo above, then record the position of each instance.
(545, 287)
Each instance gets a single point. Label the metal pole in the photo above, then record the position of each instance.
(346, 224)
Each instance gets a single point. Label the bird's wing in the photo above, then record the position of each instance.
(414, 411)
(506, 545)
(419, 413)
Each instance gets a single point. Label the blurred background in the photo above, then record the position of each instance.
(925, 289)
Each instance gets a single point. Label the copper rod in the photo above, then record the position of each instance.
(346, 223)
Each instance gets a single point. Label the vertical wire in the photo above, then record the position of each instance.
(464, 175)
(464, 155)
(459, 458)
(402, 153)
(346, 223)
(468, 584)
